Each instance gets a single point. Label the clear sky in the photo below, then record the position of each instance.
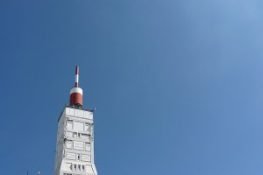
(177, 84)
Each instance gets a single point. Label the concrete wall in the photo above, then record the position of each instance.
(75, 143)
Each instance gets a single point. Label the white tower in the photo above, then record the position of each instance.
(75, 137)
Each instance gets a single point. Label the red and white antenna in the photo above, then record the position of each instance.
(76, 93)
(77, 76)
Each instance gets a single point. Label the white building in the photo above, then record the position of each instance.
(75, 137)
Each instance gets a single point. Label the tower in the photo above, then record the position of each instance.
(75, 137)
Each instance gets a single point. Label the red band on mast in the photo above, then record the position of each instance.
(76, 93)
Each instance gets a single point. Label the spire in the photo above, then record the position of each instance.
(76, 93)
(77, 76)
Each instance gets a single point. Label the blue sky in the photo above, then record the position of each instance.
(177, 84)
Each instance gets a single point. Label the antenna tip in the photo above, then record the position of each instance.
(77, 69)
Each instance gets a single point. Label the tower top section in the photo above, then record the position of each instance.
(76, 93)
